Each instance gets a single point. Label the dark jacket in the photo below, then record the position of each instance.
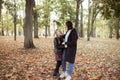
(72, 46)
(58, 48)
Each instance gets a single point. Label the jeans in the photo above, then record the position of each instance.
(70, 65)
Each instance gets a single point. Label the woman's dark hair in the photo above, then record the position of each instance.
(69, 25)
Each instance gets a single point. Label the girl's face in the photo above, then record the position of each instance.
(58, 33)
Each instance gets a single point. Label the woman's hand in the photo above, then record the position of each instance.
(63, 43)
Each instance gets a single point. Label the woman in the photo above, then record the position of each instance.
(69, 52)
(58, 50)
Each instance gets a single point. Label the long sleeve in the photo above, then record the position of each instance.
(58, 45)
(73, 35)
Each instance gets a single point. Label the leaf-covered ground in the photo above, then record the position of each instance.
(98, 59)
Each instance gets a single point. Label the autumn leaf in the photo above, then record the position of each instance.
(95, 60)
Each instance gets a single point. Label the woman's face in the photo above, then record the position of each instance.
(66, 27)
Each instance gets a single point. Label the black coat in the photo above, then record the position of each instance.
(58, 47)
(70, 51)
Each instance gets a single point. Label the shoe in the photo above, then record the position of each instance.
(68, 78)
(64, 74)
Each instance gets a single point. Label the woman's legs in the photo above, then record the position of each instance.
(64, 74)
(70, 65)
(70, 69)
(63, 62)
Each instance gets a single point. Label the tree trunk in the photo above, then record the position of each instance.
(46, 28)
(2, 32)
(15, 22)
(28, 41)
(81, 23)
(35, 25)
(92, 21)
(77, 15)
(7, 31)
(117, 25)
(94, 12)
(19, 33)
(111, 31)
(1, 1)
(88, 29)
(94, 31)
(49, 31)
(2, 27)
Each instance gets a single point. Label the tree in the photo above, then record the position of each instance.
(1, 2)
(28, 41)
(65, 12)
(110, 26)
(77, 15)
(15, 20)
(81, 33)
(111, 10)
(117, 27)
(35, 22)
(95, 9)
(88, 29)
(47, 17)
(12, 10)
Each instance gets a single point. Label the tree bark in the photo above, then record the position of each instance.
(46, 30)
(77, 15)
(28, 41)
(110, 31)
(117, 25)
(92, 20)
(88, 29)
(1, 1)
(2, 32)
(15, 22)
(81, 23)
(49, 31)
(35, 25)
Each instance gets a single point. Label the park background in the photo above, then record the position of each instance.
(27, 31)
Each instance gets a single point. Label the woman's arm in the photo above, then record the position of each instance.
(74, 38)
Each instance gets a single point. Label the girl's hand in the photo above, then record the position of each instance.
(66, 46)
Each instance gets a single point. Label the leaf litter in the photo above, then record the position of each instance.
(98, 59)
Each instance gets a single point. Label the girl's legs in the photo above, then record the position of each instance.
(57, 66)
(56, 71)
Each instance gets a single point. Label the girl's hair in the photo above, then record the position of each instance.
(69, 25)
(57, 31)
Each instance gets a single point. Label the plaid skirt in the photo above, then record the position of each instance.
(58, 57)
